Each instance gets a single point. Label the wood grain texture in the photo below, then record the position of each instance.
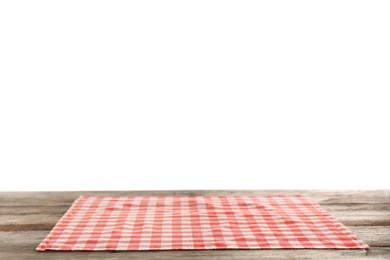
(27, 217)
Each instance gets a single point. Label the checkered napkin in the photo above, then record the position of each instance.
(198, 222)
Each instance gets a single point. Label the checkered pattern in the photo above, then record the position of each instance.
(198, 222)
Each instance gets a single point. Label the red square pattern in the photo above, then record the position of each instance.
(198, 222)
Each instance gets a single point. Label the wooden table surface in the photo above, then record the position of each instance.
(27, 217)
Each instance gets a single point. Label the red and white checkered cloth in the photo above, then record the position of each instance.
(198, 222)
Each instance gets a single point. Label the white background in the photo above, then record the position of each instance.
(135, 95)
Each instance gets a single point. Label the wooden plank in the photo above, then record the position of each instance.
(363, 218)
(62, 208)
(21, 245)
(47, 221)
(374, 236)
(30, 210)
(374, 253)
(25, 240)
(355, 206)
(323, 197)
(31, 219)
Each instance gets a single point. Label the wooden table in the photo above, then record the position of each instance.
(27, 217)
